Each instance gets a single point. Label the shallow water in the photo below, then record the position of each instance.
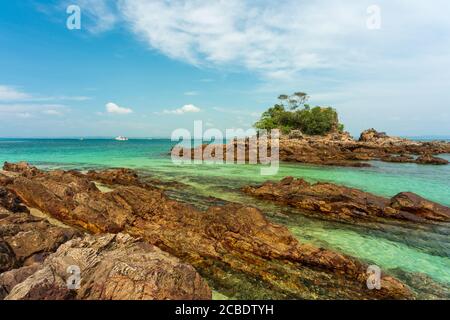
(414, 249)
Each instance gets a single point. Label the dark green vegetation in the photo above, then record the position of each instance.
(292, 113)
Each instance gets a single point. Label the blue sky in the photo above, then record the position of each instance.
(143, 68)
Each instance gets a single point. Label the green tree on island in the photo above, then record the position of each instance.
(300, 116)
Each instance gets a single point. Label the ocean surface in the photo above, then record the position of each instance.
(415, 249)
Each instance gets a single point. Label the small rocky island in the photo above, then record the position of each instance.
(337, 149)
(131, 241)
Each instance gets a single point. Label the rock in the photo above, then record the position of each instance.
(21, 167)
(118, 176)
(398, 158)
(7, 256)
(295, 134)
(372, 135)
(334, 149)
(223, 240)
(9, 279)
(418, 206)
(343, 203)
(429, 159)
(11, 202)
(112, 267)
(24, 238)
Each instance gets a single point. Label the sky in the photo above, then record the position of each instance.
(143, 68)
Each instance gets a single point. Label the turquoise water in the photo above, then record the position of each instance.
(411, 248)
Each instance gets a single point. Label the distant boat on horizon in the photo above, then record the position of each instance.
(121, 138)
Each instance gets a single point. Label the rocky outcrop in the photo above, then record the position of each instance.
(116, 176)
(222, 240)
(111, 267)
(343, 203)
(335, 149)
(25, 239)
(9, 201)
(419, 207)
(429, 159)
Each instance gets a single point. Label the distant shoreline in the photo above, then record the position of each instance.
(415, 138)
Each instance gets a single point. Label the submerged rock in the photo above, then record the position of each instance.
(107, 267)
(343, 203)
(223, 240)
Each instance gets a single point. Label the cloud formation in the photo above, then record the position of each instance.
(188, 108)
(32, 110)
(278, 39)
(9, 93)
(115, 109)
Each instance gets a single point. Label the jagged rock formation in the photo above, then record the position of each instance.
(343, 203)
(335, 149)
(25, 239)
(222, 240)
(111, 267)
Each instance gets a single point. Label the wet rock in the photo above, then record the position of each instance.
(418, 206)
(398, 158)
(219, 241)
(343, 203)
(111, 267)
(429, 159)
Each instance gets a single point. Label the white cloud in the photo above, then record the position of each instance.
(52, 112)
(114, 108)
(8, 93)
(31, 110)
(278, 40)
(188, 108)
(191, 93)
(101, 16)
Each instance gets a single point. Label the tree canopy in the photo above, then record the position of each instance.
(300, 116)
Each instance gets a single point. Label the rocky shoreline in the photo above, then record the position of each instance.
(131, 241)
(336, 149)
(342, 203)
(222, 241)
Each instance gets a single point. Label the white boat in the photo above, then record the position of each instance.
(121, 138)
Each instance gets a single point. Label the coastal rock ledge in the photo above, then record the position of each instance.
(234, 247)
(343, 203)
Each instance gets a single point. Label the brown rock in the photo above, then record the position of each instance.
(11, 202)
(412, 203)
(118, 176)
(429, 159)
(343, 203)
(335, 149)
(112, 267)
(21, 167)
(222, 240)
